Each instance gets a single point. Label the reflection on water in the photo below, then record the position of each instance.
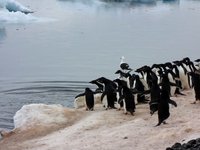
(128, 3)
(48, 92)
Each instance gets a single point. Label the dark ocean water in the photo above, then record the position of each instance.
(51, 55)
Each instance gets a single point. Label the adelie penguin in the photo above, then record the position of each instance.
(128, 100)
(196, 84)
(163, 105)
(155, 96)
(99, 85)
(124, 76)
(121, 84)
(140, 88)
(110, 91)
(89, 98)
(185, 81)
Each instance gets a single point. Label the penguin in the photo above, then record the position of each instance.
(124, 66)
(124, 76)
(144, 76)
(154, 96)
(177, 79)
(173, 86)
(196, 84)
(110, 90)
(168, 65)
(185, 83)
(120, 83)
(157, 69)
(128, 100)
(99, 85)
(89, 99)
(140, 88)
(163, 105)
(197, 66)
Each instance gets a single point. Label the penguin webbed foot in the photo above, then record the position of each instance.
(164, 122)
(159, 123)
(118, 109)
(178, 92)
(132, 113)
(193, 102)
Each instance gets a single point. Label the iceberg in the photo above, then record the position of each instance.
(14, 6)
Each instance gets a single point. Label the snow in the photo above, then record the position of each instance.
(102, 129)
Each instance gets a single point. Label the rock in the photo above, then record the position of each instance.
(176, 145)
(193, 144)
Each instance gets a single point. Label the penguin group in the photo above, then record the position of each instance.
(153, 85)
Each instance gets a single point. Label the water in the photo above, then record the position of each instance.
(49, 56)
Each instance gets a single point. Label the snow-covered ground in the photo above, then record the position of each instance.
(50, 127)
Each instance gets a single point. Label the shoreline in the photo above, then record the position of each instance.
(110, 129)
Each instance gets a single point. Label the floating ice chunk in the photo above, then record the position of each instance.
(14, 6)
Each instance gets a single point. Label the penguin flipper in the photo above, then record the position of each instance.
(172, 102)
(120, 99)
(174, 84)
(146, 92)
(102, 96)
(79, 95)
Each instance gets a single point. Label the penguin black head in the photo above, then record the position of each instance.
(186, 59)
(87, 89)
(102, 79)
(169, 65)
(121, 83)
(197, 60)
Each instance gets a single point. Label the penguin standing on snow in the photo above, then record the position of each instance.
(128, 100)
(155, 96)
(163, 105)
(89, 98)
(121, 84)
(110, 90)
(99, 85)
(124, 76)
(140, 88)
(185, 82)
(196, 84)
